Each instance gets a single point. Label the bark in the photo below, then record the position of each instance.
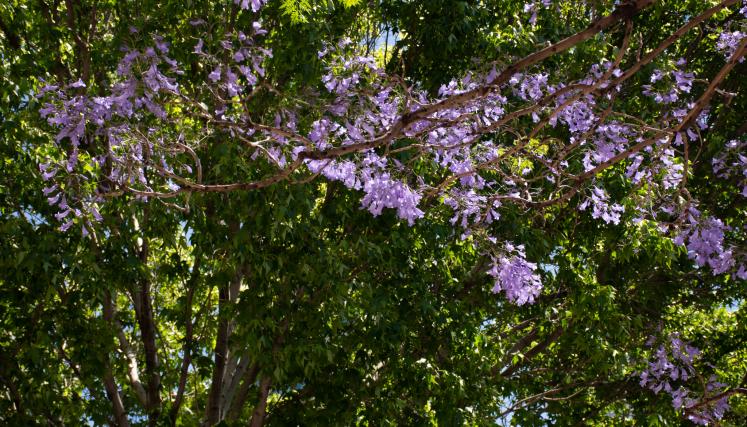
(112, 392)
(120, 415)
(231, 385)
(258, 416)
(142, 302)
(132, 368)
(248, 379)
(226, 296)
(251, 375)
(148, 334)
(221, 348)
(83, 55)
(188, 340)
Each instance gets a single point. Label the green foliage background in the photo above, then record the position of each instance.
(356, 320)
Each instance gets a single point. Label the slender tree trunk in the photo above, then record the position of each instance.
(258, 416)
(227, 294)
(237, 403)
(112, 392)
(221, 350)
(142, 302)
(188, 339)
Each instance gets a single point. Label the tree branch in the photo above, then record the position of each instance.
(258, 416)
(126, 348)
(142, 302)
(188, 339)
(226, 296)
(112, 392)
(537, 349)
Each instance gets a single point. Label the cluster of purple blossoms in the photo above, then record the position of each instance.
(728, 42)
(244, 69)
(668, 87)
(254, 4)
(381, 191)
(731, 163)
(82, 119)
(146, 83)
(601, 208)
(361, 116)
(529, 87)
(471, 207)
(579, 115)
(672, 367)
(609, 140)
(704, 238)
(516, 276)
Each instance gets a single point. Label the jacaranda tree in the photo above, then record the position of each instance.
(385, 212)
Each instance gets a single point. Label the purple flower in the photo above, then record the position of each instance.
(161, 45)
(48, 190)
(728, 43)
(384, 192)
(670, 370)
(704, 238)
(49, 174)
(254, 4)
(60, 215)
(516, 277)
(601, 208)
(214, 76)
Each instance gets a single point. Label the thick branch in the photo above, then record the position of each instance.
(248, 379)
(693, 114)
(251, 375)
(82, 52)
(130, 355)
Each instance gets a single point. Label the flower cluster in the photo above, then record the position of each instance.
(728, 42)
(601, 208)
(378, 135)
(731, 163)
(704, 238)
(254, 4)
(668, 87)
(82, 120)
(471, 207)
(383, 192)
(671, 371)
(516, 276)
